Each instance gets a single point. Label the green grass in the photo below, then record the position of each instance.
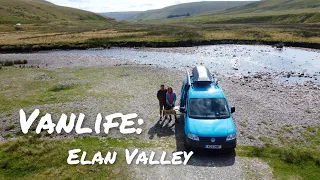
(266, 6)
(75, 90)
(251, 137)
(33, 11)
(308, 111)
(179, 9)
(268, 12)
(34, 158)
(30, 157)
(271, 11)
(265, 140)
(286, 163)
(66, 28)
(178, 34)
(243, 124)
(269, 19)
(62, 87)
(261, 12)
(286, 129)
(35, 15)
(294, 160)
(32, 90)
(9, 127)
(11, 63)
(40, 86)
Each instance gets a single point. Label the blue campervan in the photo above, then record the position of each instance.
(208, 118)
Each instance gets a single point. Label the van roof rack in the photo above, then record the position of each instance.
(201, 75)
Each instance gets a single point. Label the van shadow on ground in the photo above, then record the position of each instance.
(205, 158)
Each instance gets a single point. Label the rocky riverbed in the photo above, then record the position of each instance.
(286, 64)
(266, 108)
(272, 103)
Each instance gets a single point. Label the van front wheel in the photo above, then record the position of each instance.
(230, 150)
(186, 146)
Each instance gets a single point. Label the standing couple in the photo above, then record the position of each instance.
(167, 99)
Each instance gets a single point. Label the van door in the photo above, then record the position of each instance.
(183, 95)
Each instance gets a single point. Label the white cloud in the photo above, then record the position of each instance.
(119, 5)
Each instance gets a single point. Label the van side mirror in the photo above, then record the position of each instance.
(233, 110)
(182, 109)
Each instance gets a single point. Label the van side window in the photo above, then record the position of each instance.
(183, 94)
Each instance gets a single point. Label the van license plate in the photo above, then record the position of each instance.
(213, 147)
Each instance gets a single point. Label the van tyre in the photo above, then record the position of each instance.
(186, 147)
(230, 150)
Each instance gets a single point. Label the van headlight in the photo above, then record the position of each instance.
(231, 137)
(193, 137)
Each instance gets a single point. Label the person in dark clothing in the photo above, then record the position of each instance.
(161, 95)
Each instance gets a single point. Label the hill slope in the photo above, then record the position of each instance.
(265, 11)
(181, 9)
(39, 11)
(276, 6)
(121, 15)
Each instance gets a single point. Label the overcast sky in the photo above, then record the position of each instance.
(120, 5)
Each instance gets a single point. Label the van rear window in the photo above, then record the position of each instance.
(210, 108)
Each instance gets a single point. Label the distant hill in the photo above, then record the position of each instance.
(121, 15)
(183, 9)
(265, 11)
(40, 11)
(281, 6)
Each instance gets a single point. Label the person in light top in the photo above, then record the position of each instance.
(171, 100)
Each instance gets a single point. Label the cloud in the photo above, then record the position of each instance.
(118, 5)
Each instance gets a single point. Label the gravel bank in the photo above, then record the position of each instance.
(265, 109)
(206, 165)
(64, 61)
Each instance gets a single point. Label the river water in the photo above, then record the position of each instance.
(229, 60)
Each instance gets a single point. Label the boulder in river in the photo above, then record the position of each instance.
(279, 45)
(258, 76)
(288, 75)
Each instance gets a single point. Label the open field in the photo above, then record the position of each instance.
(162, 35)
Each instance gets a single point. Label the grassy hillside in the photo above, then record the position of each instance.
(266, 6)
(121, 15)
(38, 11)
(191, 8)
(266, 11)
(67, 28)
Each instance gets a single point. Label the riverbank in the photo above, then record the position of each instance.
(101, 44)
(162, 35)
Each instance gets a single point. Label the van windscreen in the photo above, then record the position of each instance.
(210, 108)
